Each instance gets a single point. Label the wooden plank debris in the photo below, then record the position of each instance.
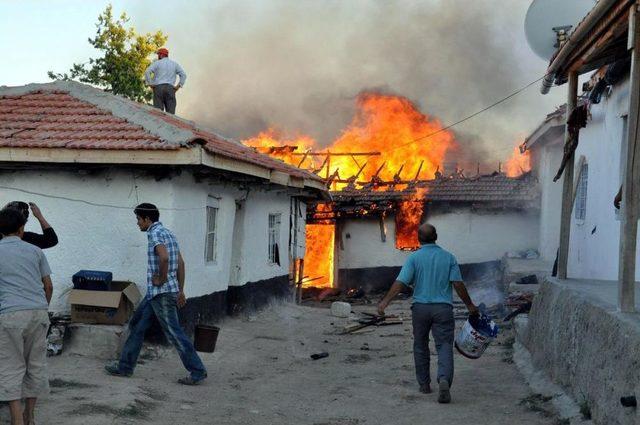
(373, 320)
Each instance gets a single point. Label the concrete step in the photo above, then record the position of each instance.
(98, 341)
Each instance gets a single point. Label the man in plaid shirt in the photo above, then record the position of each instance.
(165, 294)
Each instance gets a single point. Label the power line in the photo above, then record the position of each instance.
(475, 114)
(467, 118)
(93, 204)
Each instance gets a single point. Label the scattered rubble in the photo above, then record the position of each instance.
(340, 309)
(372, 320)
(318, 356)
(531, 279)
(529, 254)
(57, 331)
(354, 296)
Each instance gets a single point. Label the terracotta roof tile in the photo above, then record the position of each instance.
(219, 145)
(492, 188)
(51, 117)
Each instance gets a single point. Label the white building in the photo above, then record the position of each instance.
(585, 317)
(595, 222)
(87, 157)
(545, 146)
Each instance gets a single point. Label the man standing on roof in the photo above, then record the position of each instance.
(161, 77)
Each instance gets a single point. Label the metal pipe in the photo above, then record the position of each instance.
(575, 38)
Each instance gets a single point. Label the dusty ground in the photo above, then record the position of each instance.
(261, 374)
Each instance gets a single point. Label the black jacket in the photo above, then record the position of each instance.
(47, 239)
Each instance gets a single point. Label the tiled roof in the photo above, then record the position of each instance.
(495, 188)
(77, 116)
(491, 188)
(56, 119)
(220, 145)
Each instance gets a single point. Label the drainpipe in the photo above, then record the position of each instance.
(574, 40)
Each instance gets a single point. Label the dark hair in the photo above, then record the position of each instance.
(23, 207)
(11, 220)
(147, 210)
(427, 233)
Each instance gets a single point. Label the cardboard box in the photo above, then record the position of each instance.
(113, 307)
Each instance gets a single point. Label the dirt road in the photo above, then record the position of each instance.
(261, 374)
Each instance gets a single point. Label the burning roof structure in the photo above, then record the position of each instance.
(392, 162)
(492, 191)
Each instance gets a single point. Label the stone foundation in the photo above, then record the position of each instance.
(585, 345)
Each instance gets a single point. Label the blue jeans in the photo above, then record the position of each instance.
(437, 319)
(165, 309)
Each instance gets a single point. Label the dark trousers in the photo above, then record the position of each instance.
(437, 319)
(164, 307)
(164, 97)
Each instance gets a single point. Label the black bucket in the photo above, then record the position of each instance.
(205, 338)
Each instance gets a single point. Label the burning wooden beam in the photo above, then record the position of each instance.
(328, 153)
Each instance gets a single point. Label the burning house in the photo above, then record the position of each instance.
(370, 233)
(391, 169)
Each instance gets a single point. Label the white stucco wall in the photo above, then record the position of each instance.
(471, 236)
(102, 238)
(255, 263)
(593, 251)
(546, 164)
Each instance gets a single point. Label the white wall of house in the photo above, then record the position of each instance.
(102, 238)
(255, 263)
(593, 250)
(471, 236)
(547, 160)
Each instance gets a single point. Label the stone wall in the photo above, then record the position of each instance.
(587, 347)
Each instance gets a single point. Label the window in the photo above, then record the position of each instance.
(581, 193)
(274, 238)
(210, 242)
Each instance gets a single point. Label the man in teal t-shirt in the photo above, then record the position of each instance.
(432, 272)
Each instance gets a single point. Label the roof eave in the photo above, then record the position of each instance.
(195, 156)
(548, 125)
(561, 60)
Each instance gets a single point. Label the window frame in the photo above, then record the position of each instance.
(211, 231)
(580, 209)
(274, 222)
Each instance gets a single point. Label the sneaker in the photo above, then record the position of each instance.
(190, 381)
(114, 370)
(444, 395)
(425, 389)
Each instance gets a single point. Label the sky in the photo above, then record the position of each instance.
(298, 65)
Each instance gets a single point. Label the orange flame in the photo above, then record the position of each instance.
(383, 123)
(274, 143)
(518, 164)
(408, 219)
(318, 260)
(390, 125)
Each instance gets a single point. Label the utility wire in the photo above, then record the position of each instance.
(467, 118)
(93, 204)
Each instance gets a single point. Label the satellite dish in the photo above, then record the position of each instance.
(547, 20)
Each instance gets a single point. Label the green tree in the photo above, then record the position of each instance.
(125, 56)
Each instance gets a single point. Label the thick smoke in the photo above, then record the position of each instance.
(298, 65)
